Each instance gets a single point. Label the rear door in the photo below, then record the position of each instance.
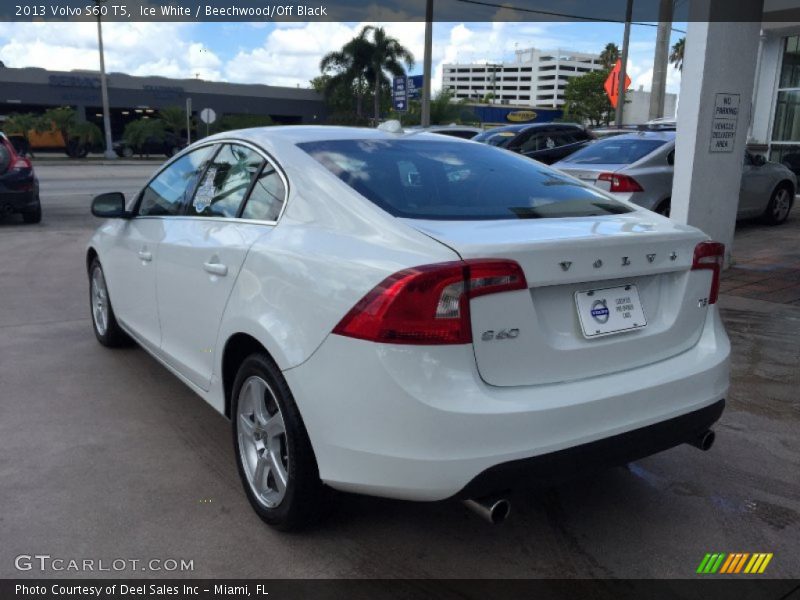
(202, 252)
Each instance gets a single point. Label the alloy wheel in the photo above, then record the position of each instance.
(782, 204)
(99, 301)
(263, 447)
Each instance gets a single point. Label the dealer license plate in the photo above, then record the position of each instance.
(610, 310)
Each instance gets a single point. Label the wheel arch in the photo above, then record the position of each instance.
(237, 347)
(91, 254)
(785, 183)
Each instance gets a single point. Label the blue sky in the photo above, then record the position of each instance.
(289, 53)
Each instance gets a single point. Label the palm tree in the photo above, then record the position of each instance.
(174, 119)
(23, 124)
(388, 54)
(609, 55)
(350, 68)
(676, 56)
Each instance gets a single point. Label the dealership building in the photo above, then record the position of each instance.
(35, 90)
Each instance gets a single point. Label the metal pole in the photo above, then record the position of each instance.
(624, 60)
(661, 60)
(188, 121)
(109, 153)
(425, 117)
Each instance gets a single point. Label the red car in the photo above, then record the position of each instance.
(19, 187)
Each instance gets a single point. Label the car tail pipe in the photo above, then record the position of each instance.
(492, 509)
(704, 441)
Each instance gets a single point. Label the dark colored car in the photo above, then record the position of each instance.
(170, 145)
(545, 142)
(19, 187)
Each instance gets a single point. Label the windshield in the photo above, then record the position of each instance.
(614, 151)
(451, 180)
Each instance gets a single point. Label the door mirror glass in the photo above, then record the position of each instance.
(110, 206)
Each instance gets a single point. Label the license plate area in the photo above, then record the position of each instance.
(609, 311)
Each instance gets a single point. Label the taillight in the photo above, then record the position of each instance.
(429, 304)
(620, 183)
(20, 164)
(711, 256)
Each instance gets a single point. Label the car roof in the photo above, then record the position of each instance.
(667, 136)
(526, 126)
(298, 134)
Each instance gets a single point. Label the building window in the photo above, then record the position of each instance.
(786, 126)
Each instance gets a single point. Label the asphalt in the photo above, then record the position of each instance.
(105, 455)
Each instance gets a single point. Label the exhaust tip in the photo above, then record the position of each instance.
(492, 510)
(704, 441)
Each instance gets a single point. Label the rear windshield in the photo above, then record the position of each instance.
(614, 151)
(451, 180)
(497, 138)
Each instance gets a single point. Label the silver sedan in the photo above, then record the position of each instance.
(639, 167)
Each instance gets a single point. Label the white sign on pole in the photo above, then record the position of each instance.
(208, 116)
(724, 122)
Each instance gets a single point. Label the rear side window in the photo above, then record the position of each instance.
(267, 198)
(226, 181)
(455, 181)
(615, 151)
(170, 190)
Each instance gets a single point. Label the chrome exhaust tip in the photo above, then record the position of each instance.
(492, 510)
(704, 441)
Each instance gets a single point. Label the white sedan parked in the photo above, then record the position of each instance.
(411, 316)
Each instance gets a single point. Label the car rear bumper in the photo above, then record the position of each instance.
(418, 423)
(12, 201)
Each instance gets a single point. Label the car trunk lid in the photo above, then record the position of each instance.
(535, 336)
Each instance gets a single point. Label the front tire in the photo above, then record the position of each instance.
(780, 204)
(273, 453)
(104, 322)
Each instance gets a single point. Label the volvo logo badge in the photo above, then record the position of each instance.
(600, 312)
(565, 265)
(598, 263)
(651, 257)
(625, 261)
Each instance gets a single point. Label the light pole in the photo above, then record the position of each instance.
(624, 63)
(425, 116)
(109, 153)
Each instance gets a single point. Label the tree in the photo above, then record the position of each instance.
(78, 136)
(676, 56)
(349, 69)
(174, 119)
(137, 133)
(609, 55)
(586, 100)
(22, 124)
(231, 122)
(388, 54)
(443, 111)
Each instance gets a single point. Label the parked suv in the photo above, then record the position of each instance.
(170, 145)
(19, 187)
(545, 142)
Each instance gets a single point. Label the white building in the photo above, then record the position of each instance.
(535, 78)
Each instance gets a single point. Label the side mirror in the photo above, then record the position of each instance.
(759, 160)
(110, 206)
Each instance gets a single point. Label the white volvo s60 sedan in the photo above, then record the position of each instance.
(411, 316)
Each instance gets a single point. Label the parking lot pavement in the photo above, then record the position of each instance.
(105, 455)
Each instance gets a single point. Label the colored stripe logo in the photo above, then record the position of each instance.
(734, 563)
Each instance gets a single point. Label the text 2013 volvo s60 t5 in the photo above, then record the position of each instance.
(410, 316)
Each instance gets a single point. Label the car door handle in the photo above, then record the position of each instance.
(216, 268)
(145, 255)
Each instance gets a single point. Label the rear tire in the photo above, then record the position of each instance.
(104, 322)
(127, 152)
(34, 215)
(664, 207)
(779, 206)
(274, 456)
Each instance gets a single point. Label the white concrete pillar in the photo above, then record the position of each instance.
(713, 120)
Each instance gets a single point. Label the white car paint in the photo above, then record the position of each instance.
(409, 421)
